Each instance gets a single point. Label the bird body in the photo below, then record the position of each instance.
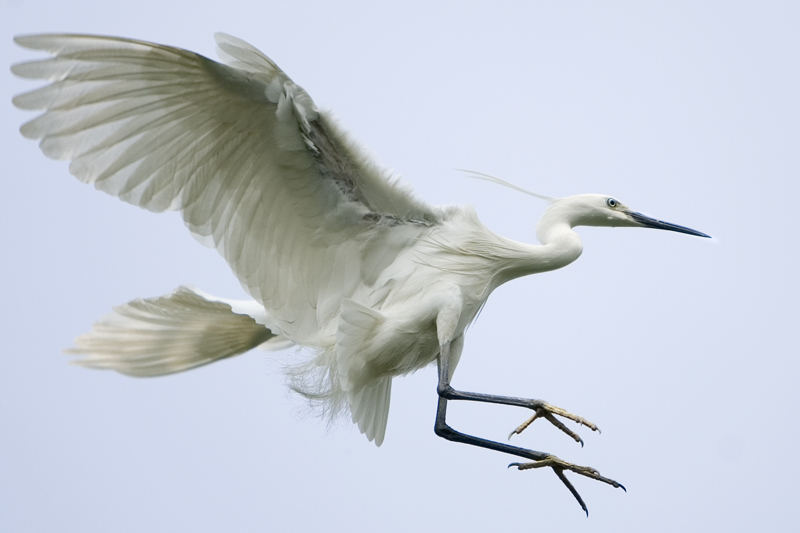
(338, 257)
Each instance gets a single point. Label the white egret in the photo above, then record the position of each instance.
(338, 257)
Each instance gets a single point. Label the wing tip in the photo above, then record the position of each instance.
(28, 40)
(45, 41)
(221, 36)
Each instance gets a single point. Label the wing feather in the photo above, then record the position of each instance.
(239, 149)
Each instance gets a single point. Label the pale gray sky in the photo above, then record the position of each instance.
(683, 350)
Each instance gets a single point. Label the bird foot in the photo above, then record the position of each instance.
(545, 410)
(559, 466)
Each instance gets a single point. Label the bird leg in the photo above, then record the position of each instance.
(540, 459)
(543, 410)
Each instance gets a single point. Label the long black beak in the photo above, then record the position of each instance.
(660, 224)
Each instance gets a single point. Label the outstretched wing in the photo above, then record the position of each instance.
(242, 151)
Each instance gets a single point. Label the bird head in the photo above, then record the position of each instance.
(590, 210)
(603, 210)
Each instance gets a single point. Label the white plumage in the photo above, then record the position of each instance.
(338, 257)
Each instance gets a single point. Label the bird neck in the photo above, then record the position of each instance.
(560, 246)
(465, 246)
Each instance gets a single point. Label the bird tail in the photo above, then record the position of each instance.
(369, 401)
(172, 333)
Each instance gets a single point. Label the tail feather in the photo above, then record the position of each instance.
(371, 409)
(167, 334)
(369, 401)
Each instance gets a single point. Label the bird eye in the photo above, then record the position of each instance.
(612, 203)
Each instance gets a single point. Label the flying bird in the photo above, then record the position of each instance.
(339, 257)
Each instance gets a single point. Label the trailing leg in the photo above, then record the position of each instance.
(540, 459)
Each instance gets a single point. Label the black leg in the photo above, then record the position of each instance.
(542, 409)
(541, 459)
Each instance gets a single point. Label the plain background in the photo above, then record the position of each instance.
(683, 350)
